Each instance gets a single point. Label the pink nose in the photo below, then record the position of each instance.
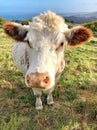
(38, 80)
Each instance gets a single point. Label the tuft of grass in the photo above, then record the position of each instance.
(13, 122)
(70, 95)
(79, 106)
(73, 125)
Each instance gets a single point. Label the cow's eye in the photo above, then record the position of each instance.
(28, 43)
(60, 46)
(62, 43)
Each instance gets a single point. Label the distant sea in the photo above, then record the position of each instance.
(20, 16)
(24, 15)
(17, 16)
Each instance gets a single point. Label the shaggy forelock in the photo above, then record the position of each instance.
(49, 21)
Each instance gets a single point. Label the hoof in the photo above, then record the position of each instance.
(39, 108)
(50, 100)
(50, 103)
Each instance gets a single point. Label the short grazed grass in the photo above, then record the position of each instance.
(75, 96)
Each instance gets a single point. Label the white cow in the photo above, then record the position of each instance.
(39, 51)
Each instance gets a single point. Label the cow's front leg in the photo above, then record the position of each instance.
(38, 103)
(50, 99)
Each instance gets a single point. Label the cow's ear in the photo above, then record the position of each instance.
(15, 30)
(78, 35)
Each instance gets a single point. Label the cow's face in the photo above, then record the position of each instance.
(46, 36)
(46, 56)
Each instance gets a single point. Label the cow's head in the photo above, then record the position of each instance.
(46, 36)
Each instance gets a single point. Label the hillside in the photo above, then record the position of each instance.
(92, 26)
(82, 18)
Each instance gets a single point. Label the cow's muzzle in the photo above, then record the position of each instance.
(38, 80)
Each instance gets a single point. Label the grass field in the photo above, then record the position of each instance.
(75, 97)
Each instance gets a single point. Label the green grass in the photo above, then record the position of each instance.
(13, 122)
(75, 95)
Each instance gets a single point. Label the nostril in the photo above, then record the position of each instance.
(46, 80)
(28, 79)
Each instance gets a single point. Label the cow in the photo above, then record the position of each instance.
(38, 50)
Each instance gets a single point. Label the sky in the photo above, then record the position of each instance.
(26, 9)
(39, 6)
